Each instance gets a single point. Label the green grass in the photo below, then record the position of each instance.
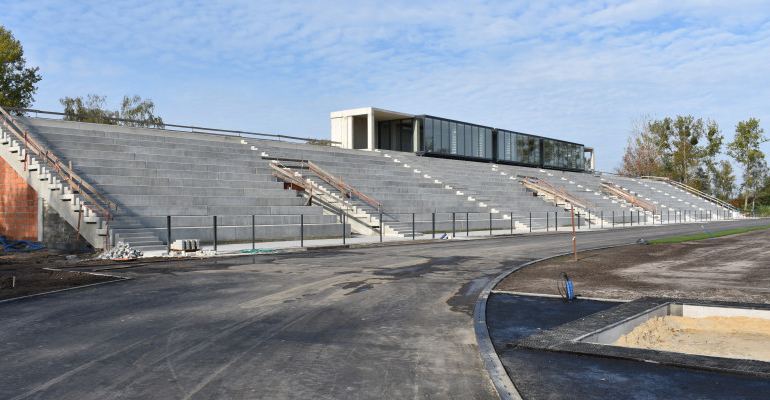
(705, 235)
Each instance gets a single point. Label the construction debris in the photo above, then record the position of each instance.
(121, 251)
(186, 245)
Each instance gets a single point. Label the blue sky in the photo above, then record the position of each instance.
(581, 71)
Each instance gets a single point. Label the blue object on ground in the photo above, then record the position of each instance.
(707, 231)
(21, 245)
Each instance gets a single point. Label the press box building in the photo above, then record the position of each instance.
(373, 128)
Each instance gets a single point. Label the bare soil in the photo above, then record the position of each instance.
(31, 277)
(733, 268)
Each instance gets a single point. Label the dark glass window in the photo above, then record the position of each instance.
(468, 140)
(428, 134)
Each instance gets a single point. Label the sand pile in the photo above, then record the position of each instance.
(733, 337)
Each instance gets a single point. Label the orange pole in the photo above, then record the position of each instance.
(574, 238)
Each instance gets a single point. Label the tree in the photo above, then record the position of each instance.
(744, 149)
(142, 112)
(17, 82)
(136, 111)
(92, 109)
(679, 140)
(642, 156)
(319, 142)
(723, 181)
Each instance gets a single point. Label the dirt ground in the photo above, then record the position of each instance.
(31, 277)
(733, 268)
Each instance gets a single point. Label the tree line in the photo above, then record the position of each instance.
(685, 149)
(17, 87)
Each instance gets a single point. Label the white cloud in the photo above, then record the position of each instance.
(579, 70)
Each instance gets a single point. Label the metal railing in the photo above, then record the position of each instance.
(692, 190)
(337, 183)
(75, 182)
(192, 128)
(635, 201)
(340, 185)
(448, 224)
(540, 186)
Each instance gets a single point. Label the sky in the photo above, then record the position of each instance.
(581, 71)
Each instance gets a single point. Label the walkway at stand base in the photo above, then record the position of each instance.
(245, 247)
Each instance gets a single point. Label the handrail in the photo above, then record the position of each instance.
(337, 183)
(538, 184)
(285, 173)
(692, 190)
(190, 127)
(75, 182)
(635, 201)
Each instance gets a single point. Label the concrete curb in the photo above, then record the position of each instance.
(505, 387)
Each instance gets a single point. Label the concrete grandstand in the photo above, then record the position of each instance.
(112, 183)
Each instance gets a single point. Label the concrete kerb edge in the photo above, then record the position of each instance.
(503, 384)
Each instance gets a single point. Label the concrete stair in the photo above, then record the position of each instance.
(192, 177)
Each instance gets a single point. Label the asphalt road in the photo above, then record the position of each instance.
(372, 322)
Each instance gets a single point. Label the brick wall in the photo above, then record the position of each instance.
(18, 206)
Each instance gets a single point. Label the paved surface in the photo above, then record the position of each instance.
(540, 374)
(380, 322)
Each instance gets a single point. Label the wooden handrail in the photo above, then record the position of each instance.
(339, 185)
(635, 201)
(74, 180)
(692, 190)
(539, 185)
(285, 173)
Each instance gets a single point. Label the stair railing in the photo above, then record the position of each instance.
(692, 190)
(541, 186)
(76, 183)
(628, 197)
(340, 185)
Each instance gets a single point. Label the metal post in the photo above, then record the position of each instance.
(168, 233)
(380, 226)
(343, 228)
(555, 221)
(574, 238)
(589, 220)
(453, 225)
(632, 217)
(414, 236)
(624, 219)
(490, 224)
(302, 230)
(530, 222)
(578, 220)
(511, 222)
(433, 218)
(547, 220)
(613, 218)
(467, 224)
(601, 218)
(215, 233)
(253, 233)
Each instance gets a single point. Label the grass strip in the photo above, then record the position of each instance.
(704, 235)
